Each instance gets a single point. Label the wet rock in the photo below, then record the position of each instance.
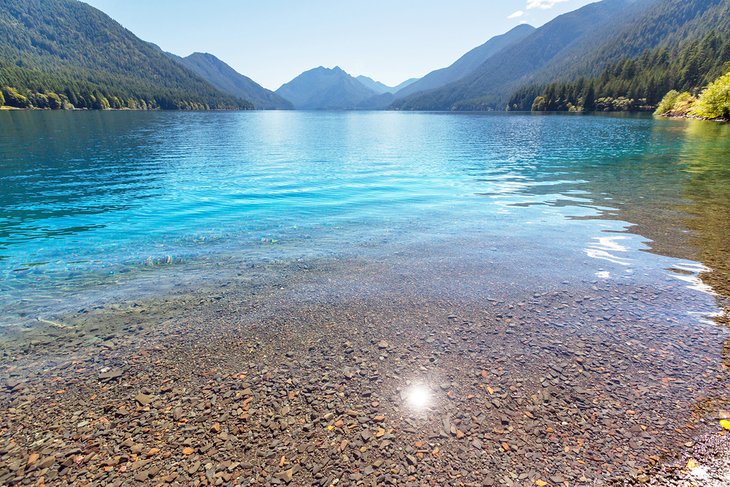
(111, 374)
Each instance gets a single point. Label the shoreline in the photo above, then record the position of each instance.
(692, 117)
(305, 379)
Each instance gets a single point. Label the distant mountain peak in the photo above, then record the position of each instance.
(325, 89)
(382, 88)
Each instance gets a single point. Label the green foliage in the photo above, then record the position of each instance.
(2, 98)
(667, 103)
(610, 104)
(684, 104)
(676, 104)
(643, 79)
(714, 102)
(78, 53)
(633, 50)
(14, 99)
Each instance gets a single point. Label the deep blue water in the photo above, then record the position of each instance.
(89, 201)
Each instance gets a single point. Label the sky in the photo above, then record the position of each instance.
(272, 41)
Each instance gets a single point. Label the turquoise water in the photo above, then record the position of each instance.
(94, 202)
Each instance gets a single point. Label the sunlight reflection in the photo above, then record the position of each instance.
(602, 248)
(690, 273)
(418, 397)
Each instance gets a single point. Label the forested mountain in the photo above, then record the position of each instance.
(325, 89)
(229, 81)
(567, 39)
(677, 45)
(467, 63)
(58, 53)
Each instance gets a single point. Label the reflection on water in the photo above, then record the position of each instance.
(706, 152)
(418, 397)
(607, 248)
(102, 200)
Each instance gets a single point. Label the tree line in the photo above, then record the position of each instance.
(712, 103)
(57, 54)
(634, 84)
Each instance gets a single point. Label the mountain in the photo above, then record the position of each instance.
(435, 79)
(373, 85)
(562, 41)
(325, 89)
(675, 45)
(58, 53)
(381, 88)
(407, 82)
(467, 63)
(229, 81)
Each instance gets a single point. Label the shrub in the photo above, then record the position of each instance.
(15, 99)
(683, 104)
(714, 102)
(539, 105)
(667, 103)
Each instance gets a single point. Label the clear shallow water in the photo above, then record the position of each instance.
(97, 202)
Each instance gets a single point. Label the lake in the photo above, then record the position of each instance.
(588, 256)
(92, 201)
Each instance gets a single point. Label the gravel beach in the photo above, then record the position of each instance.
(360, 372)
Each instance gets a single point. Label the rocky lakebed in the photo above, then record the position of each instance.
(359, 373)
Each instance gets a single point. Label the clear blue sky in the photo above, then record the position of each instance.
(272, 41)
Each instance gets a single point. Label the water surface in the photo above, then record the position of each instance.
(96, 203)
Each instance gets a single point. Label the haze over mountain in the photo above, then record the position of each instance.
(572, 36)
(381, 88)
(467, 63)
(325, 89)
(59, 52)
(228, 80)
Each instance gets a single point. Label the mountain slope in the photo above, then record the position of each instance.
(676, 45)
(467, 63)
(665, 24)
(373, 85)
(81, 56)
(228, 80)
(325, 89)
(574, 34)
(406, 83)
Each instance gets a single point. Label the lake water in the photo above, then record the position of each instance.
(94, 205)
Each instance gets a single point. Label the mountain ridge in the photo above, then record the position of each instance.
(382, 88)
(62, 53)
(325, 89)
(467, 63)
(490, 86)
(228, 80)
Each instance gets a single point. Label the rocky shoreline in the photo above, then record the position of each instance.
(362, 375)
